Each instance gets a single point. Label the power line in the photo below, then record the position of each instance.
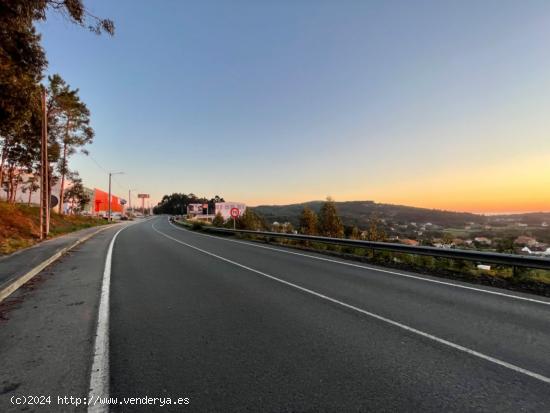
(106, 171)
(98, 164)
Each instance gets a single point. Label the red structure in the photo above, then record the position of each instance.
(101, 202)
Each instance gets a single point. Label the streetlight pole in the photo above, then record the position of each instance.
(130, 198)
(110, 174)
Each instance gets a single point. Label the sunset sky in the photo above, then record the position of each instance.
(439, 104)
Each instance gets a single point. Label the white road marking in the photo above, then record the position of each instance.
(349, 264)
(368, 313)
(99, 376)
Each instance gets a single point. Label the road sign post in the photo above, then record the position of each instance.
(235, 214)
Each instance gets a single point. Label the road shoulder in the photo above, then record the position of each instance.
(18, 268)
(47, 328)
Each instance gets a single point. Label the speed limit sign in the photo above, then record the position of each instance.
(235, 212)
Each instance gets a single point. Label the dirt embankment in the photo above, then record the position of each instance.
(20, 225)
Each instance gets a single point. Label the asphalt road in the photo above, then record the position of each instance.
(237, 326)
(47, 330)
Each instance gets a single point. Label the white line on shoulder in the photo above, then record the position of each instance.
(99, 376)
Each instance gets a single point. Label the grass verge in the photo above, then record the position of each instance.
(20, 225)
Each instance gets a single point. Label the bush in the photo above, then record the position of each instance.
(218, 220)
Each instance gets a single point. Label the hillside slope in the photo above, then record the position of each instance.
(359, 212)
(20, 225)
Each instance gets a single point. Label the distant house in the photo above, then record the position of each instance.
(482, 240)
(408, 241)
(284, 227)
(457, 241)
(525, 240)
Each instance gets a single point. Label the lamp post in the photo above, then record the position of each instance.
(130, 198)
(110, 174)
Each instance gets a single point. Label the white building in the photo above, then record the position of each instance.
(24, 195)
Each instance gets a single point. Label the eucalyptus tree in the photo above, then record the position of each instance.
(69, 122)
(22, 63)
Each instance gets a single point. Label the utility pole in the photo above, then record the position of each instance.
(109, 200)
(44, 172)
(130, 198)
(110, 174)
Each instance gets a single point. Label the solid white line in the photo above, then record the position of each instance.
(349, 264)
(99, 376)
(373, 315)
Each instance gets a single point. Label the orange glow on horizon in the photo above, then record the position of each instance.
(514, 186)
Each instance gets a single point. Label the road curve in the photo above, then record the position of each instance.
(236, 327)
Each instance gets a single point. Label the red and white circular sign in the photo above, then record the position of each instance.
(235, 212)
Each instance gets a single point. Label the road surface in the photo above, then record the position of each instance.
(236, 326)
(239, 327)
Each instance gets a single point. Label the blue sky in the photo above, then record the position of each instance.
(431, 103)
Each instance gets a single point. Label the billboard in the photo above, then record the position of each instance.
(224, 208)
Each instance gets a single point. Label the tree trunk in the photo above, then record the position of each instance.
(9, 185)
(2, 160)
(62, 185)
(64, 166)
(15, 186)
(30, 195)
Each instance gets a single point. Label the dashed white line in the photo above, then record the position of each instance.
(368, 313)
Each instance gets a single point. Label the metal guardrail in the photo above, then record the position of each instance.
(512, 260)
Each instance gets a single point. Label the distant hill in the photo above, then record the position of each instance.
(359, 212)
